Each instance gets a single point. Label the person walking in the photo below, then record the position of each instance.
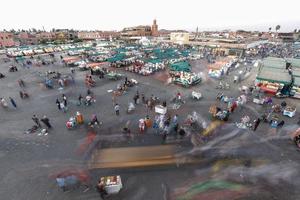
(58, 104)
(135, 98)
(256, 123)
(80, 99)
(142, 125)
(12, 101)
(46, 121)
(117, 109)
(64, 100)
(36, 120)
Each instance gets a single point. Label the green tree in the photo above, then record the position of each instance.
(277, 28)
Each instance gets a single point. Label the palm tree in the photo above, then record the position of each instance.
(270, 29)
(277, 28)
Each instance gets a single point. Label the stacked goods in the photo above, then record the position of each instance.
(140, 67)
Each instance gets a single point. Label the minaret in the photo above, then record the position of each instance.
(154, 28)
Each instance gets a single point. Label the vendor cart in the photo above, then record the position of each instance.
(113, 76)
(111, 184)
(289, 111)
(258, 101)
(66, 182)
(219, 114)
(160, 109)
(196, 95)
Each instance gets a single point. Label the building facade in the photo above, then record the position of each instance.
(25, 38)
(137, 31)
(6, 39)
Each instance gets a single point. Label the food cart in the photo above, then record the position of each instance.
(289, 111)
(160, 109)
(113, 76)
(111, 184)
(258, 101)
(196, 95)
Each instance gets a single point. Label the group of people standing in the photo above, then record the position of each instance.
(62, 105)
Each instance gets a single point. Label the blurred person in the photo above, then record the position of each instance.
(46, 121)
(36, 120)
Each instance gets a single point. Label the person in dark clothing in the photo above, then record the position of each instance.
(80, 99)
(280, 124)
(89, 92)
(164, 104)
(101, 190)
(36, 120)
(256, 123)
(58, 104)
(12, 101)
(181, 132)
(143, 99)
(135, 98)
(45, 120)
(64, 99)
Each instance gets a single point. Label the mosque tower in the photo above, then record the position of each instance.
(154, 29)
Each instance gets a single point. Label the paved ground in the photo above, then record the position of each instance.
(262, 164)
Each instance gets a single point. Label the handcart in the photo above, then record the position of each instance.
(196, 95)
(111, 184)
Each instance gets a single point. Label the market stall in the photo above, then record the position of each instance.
(181, 74)
(273, 76)
(111, 184)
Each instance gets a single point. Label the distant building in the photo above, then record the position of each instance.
(45, 36)
(6, 39)
(88, 35)
(180, 37)
(137, 31)
(27, 38)
(94, 35)
(287, 37)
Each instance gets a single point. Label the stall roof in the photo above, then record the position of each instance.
(274, 75)
(272, 62)
(181, 66)
(92, 65)
(296, 72)
(294, 62)
(297, 81)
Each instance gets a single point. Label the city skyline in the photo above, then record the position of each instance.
(115, 15)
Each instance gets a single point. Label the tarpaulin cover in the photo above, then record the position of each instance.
(181, 66)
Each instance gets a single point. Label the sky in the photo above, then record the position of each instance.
(170, 14)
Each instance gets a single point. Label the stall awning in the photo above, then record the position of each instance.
(93, 65)
(296, 81)
(71, 59)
